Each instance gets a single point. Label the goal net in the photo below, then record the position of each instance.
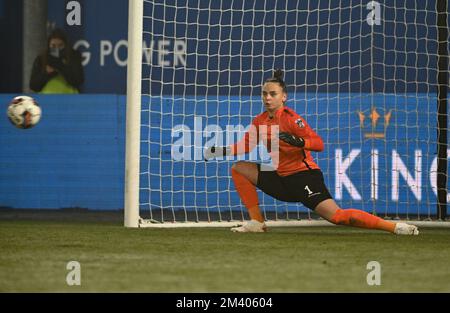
(364, 74)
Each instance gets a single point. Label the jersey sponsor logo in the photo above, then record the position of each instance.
(299, 122)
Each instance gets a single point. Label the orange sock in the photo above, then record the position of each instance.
(248, 195)
(358, 218)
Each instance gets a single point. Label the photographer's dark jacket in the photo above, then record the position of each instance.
(68, 78)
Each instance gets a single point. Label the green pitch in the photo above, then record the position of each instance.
(34, 255)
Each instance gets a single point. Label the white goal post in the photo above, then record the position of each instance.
(364, 74)
(133, 120)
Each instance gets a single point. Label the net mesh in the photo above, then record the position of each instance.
(363, 74)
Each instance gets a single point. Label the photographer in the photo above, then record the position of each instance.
(58, 69)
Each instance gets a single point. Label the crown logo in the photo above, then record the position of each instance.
(376, 130)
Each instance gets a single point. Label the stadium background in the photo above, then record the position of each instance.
(75, 156)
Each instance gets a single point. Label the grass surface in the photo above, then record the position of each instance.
(34, 255)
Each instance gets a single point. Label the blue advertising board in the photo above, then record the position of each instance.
(380, 151)
(75, 156)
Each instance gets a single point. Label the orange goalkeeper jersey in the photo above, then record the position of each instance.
(286, 159)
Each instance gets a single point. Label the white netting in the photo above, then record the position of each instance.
(362, 73)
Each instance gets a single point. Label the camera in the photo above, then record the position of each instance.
(55, 52)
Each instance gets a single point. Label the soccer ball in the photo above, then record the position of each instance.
(24, 112)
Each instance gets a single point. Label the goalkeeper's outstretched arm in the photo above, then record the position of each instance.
(245, 145)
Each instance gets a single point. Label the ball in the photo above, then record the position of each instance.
(24, 112)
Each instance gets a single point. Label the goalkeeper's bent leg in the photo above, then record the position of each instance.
(247, 192)
(329, 210)
(359, 218)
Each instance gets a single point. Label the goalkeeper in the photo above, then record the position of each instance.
(297, 178)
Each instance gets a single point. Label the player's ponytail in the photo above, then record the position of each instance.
(278, 74)
(278, 78)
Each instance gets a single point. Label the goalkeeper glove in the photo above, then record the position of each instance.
(292, 140)
(214, 152)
